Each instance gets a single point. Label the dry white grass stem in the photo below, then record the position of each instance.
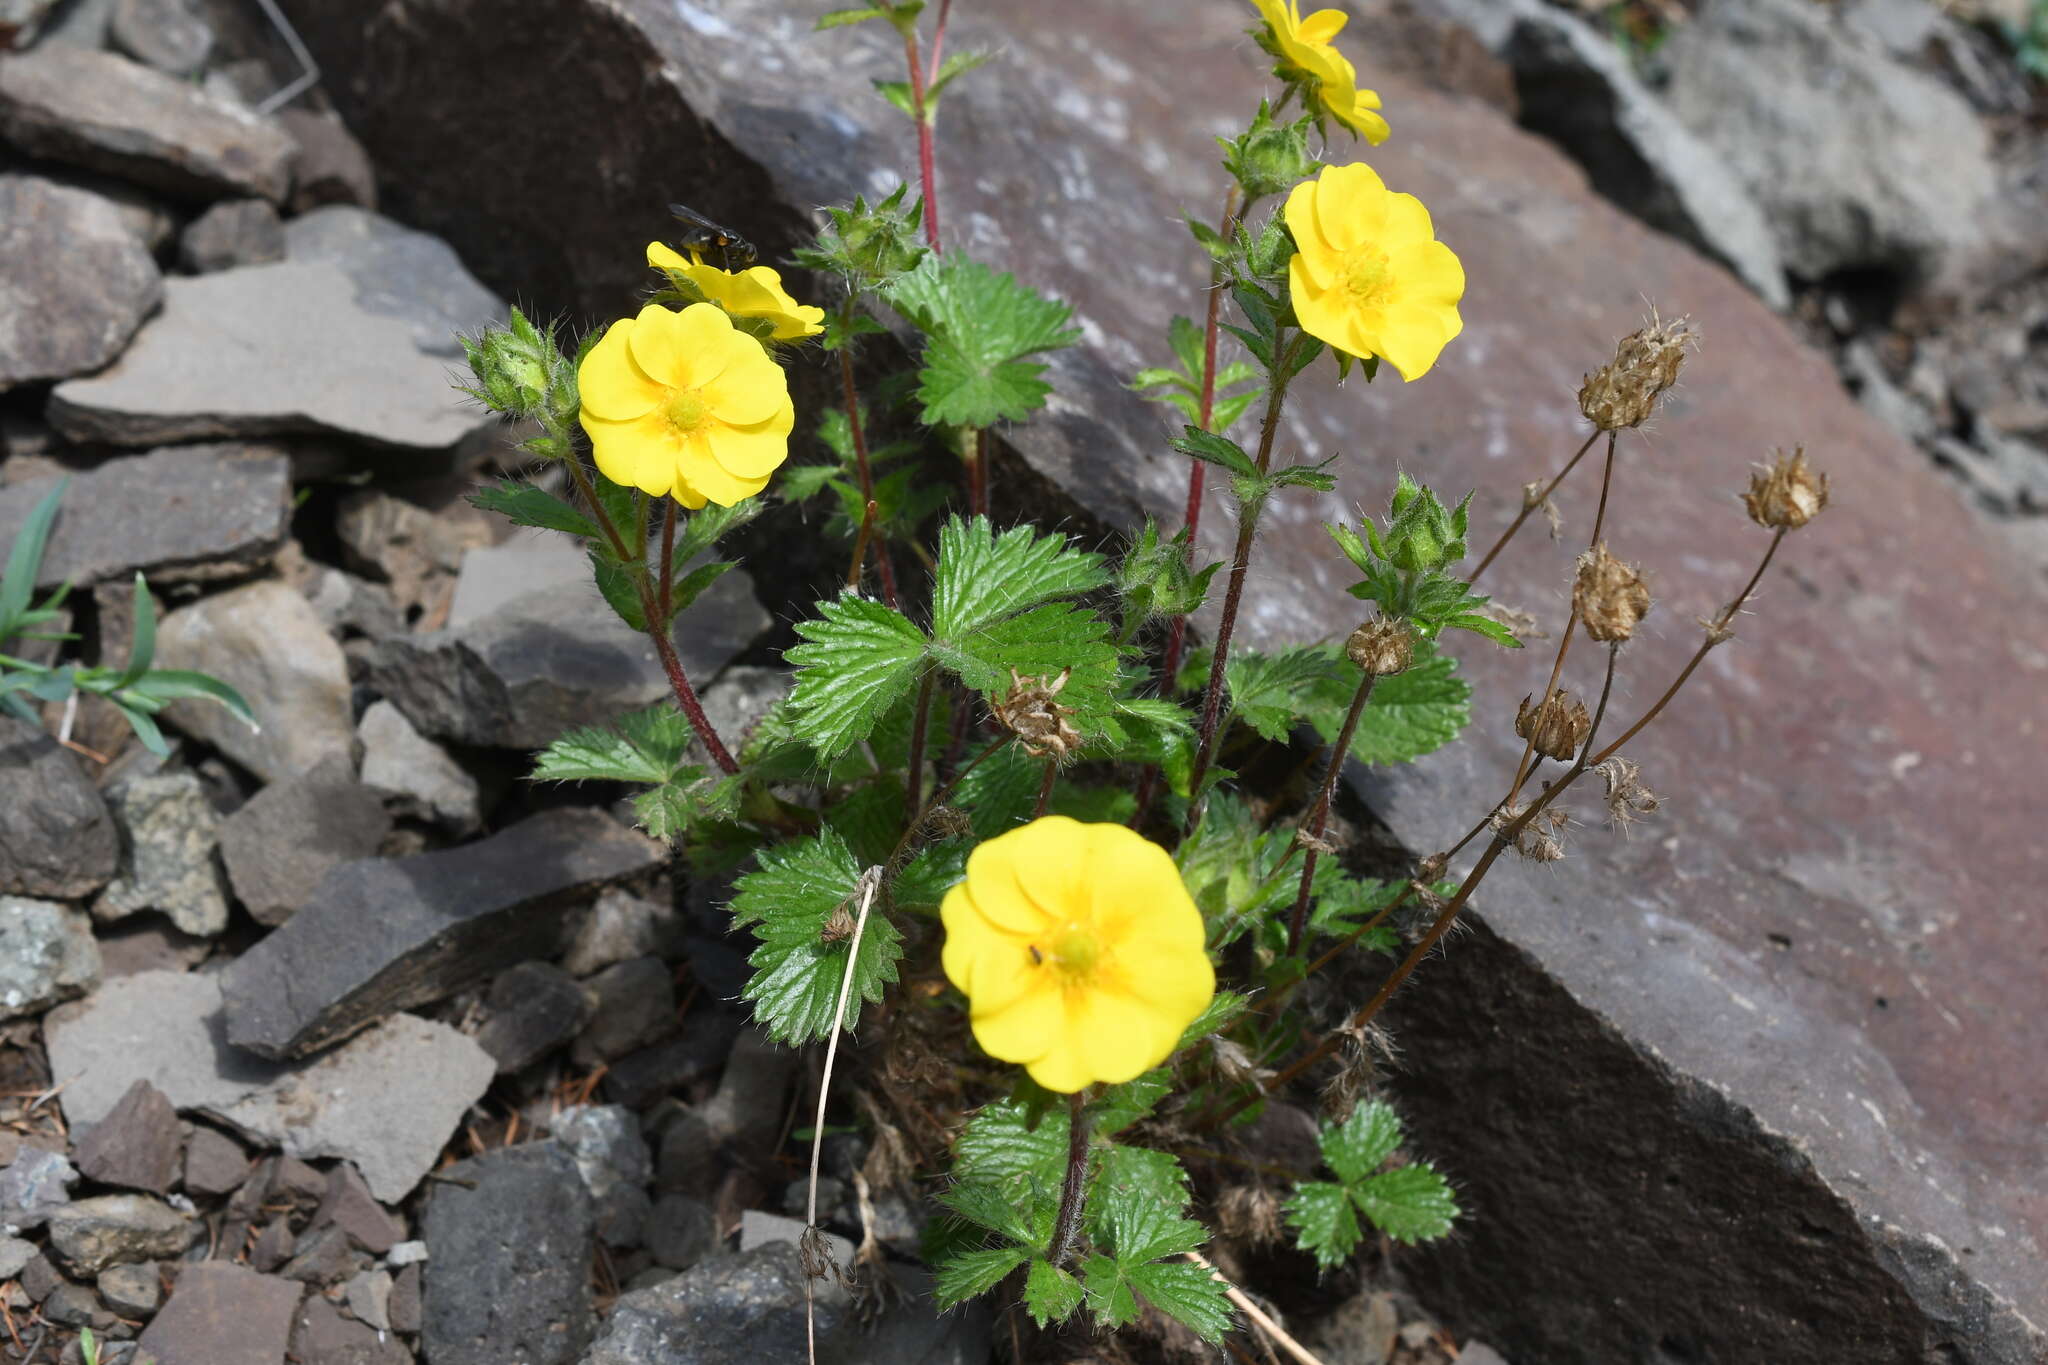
(870, 882)
(1259, 1318)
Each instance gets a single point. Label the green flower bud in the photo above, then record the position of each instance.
(869, 247)
(1269, 158)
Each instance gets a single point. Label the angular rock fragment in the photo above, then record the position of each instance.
(47, 954)
(612, 1157)
(509, 1273)
(265, 641)
(322, 1336)
(69, 260)
(293, 832)
(381, 935)
(620, 926)
(681, 1231)
(223, 1314)
(263, 350)
(322, 1258)
(332, 166)
(493, 575)
(731, 1310)
(15, 1254)
(350, 1206)
(368, 1296)
(114, 1229)
(530, 1011)
(167, 862)
(33, 1186)
(425, 781)
(405, 1308)
(56, 836)
(133, 1291)
(417, 551)
(170, 35)
(77, 1305)
(215, 1164)
(639, 1079)
(398, 272)
(107, 113)
(635, 1005)
(136, 1145)
(231, 233)
(233, 502)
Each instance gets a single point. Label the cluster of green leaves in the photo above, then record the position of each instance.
(135, 689)
(1182, 387)
(980, 330)
(1404, 565)
(905, 495)
(1409, 1203)
(902, 15)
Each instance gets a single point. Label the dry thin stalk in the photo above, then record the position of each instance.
(1259, 1317)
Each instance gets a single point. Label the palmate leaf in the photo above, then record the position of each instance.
(1355, 1148)
(1272, 692)
(1408, 1203)
(1044, 642)
(979, 326)
(787, 900)
(644, 746)
(1001, 1143)
(1410, 714)
(1189, 1294)
(1135, 1203)
(858, 658)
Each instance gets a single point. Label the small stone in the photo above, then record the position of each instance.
(113, 1229)
(47, 954)
(681, 1231)
(215, 1164)
(347, 605)
(222, 1314)
(636, 1005)
(369, 1298)
(133, 1291)
(760, 1229)
(746, 1113)
(510, 1274)
(641, 1078)
(39, 1278)
(689, 1162)
(332, 167)
(426, 782)
(293, 832)
(273, 1246)
(416, 550)
(136, 1145)
(405, 1254)
(107, 113)
(56, 836)
(404, 1306)
(15, 1254)
(231, 233)
(350, 1206)
(69, 259)
(621, 926)
(398, 272)
(297, 1183)
(267, 643)
(35, 1184)
(321, 1257)
(77, 1305)
(493, 575)
(530, 1011)
(731, 1310)
(612, 1158)
(384, 935)
(167, 860)
(322, 1336)
(170, 35)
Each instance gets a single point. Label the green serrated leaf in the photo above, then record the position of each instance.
(1135, 1201)
(1408, 1203)
(523, 504)
(1050, 1294)
(984, 577)
(979, 327)
(992, 1206)
(974, 1273)
(1108, 1291)
(620, 590)
(1044, 642)
(1410, 714)
(954, 65)
(1189, 1294)
(1120, 1106)
(1325, 1223)
(1355, 1148)
(1272, 692)
(650, 746)
(1223, 1007)
(1215, 449)
(798, 972)
(858, 658)
(1001, 1143)
(840, 18)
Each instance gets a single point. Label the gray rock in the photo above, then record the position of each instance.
(170, 832)
(681, 1231)
(612, 1157)
(47, 954)
(509, 1277)
(530, 1011)
(635, 1006)
(107, 113)
(643, 1077)
(759, 1228)
(621, 926)
(417, 551)
(215, 1164)
(39, 1278)
(170, 35)
(349, 1205)
(494, 575)
(149, 943)
(77, 1305)
(346, 604)
(369, 1298)
(268, 644)
(272, 1247)
(114, 1229)
(398, 272)
(133, 1291)
(740, 696)
(136, 1145)
(1576, 86)
(551, 661)
(56, 835)
(322, 1257)
(688, 1160)
(233, 504)
(332, 167)
(80, 23)
(418, 773)
(732, 1309)
(293, 832)
(15, 1254)
(223, 1314)
(1859, 160)
(231, 233)
(70, 262)
(746, 1111)
(33, 1186)
(386, 1101)
(309, 358)
(22, 20)
(383, 935)
(322, 1336)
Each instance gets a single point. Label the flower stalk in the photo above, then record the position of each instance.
(864, 471)
(1067, 1227)
(1319, 815)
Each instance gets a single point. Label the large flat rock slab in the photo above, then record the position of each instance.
(75, 281)
(1798, 1019)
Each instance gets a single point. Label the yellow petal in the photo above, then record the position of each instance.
(1133, 886)
(1350, 205)
(1062, 1071)
(705, 475)
(1052, 864)
(1428, 272)
(1413, 338)
(752, 452)
(1300, 214)
(661, 256)
(1322, 26)
(1026, 1026)
(1116, 1036)
(996, 892)
(1407, 223)
(611, 385)
(708, 345)
(658, 348)
(637, 454)
(750, 388)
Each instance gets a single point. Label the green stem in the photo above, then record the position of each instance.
(1319, 816)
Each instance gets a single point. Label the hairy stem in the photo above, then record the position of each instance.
(679, 683)
(581, 476)
(866, 473)
(927, 160)
(913, 777)
(1052, 771)
(901, 852)
(1319, 814)
(1068, 1225)
(860, 545)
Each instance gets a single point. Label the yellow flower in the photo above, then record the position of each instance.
(755, 292)
(1079, 950)
(682, 403)
(1369, 276)
(1306, 56)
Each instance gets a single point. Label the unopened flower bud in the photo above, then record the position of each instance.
(1557, 727)
(1623, 392)
(1787, 493)
(1382, 646)
(1609, 596)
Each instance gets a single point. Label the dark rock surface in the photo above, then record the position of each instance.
(294, 831)
(107, 113)
(350, 1206)
(223, 1314)
(232, 512)
(215, 1163)
(133, 1291)
(508, 1274)
(47, 955)
(732, 1309)
(322, 1336)
(56, 835)
(530, 1011)
(136, 1145)
(381, 935)
(231, 233)
(635, 1004)
(69, 260)
(1797, 820)
(612, 1157)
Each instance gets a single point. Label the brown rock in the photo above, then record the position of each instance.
(404, 1307)
(333, 168)
(223, 1314)
(215, 1164)
(350, 1206)
(136, 1145)
(322, 1336)
(273, 1247)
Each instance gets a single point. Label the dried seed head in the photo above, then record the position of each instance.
(1534, 497)
(838, 925)
(1250, 1214)
(1040, 723)
(1624, 391)
(1609, 595)
(1787, 493)
(1382, 646)
(1537, 840)
(1718, 632)
(1557, 726)
(947, 822)
(1431, 869)
(1628, 800)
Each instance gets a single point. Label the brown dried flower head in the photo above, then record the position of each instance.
(1382, 646)
(1628, 800)
(1787, 493)
(1623, 392)
(1610, 596)
(1557, 726)
(1250, 1214)
(839, 925)
(1541, 839)
(1040, 723)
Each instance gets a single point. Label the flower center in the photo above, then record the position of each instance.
(686, 410)
(1366, 275)
(1072, 951)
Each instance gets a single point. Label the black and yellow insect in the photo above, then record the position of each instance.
(709, 240)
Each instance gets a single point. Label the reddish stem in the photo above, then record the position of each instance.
(927, 161)
(686, 697)
(883, 565)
